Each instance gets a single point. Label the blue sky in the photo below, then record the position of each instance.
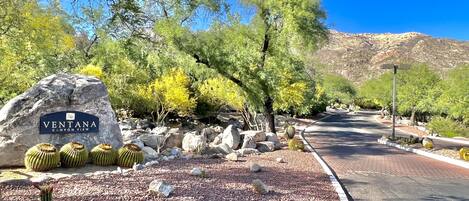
(446, 19)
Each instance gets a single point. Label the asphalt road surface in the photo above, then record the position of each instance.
(372, 171)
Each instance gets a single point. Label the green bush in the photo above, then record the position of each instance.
(447, 127)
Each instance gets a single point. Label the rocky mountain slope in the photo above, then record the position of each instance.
(358, 57)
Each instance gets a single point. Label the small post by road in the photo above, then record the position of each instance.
(394, 67)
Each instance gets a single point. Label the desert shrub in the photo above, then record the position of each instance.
(169, 93)
(91, 70)
(447, 127)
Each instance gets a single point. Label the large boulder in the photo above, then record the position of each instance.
(194, 143)
(20, 117)
(174, 138)
(231, 137)
(257, 136)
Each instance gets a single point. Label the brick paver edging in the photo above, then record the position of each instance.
(427, 154)
(339, 188)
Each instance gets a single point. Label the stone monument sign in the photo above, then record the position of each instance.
(59, 109)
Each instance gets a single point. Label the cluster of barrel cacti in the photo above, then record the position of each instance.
(44, 156)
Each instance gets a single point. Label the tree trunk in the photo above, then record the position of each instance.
(412, 118)
(249, 121)
(269, 115)
(382, 112)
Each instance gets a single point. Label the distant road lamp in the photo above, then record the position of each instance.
(394, 67)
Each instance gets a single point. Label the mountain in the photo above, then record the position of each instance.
(358, 57)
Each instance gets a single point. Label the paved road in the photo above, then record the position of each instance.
(371, 171)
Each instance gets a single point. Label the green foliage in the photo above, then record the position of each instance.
(170, 93)
(34, 42)
(42, 157)
(339, 89)
(378, 90)
(73, 155)
(221, 92)
(447, 127)
(295, 144)
(103, 155)
(128, 155)
(454, 90)
(415, 89)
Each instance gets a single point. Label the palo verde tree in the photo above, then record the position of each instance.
(259, 55)
(378, 90)
(415, 89)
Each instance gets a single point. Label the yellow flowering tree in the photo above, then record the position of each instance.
(221, 92)
(169, 93)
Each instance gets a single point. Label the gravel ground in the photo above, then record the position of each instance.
(300, 178)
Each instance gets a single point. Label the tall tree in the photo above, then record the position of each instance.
(414, 90)
(259, 55)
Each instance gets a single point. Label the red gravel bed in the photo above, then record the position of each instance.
(301, 178)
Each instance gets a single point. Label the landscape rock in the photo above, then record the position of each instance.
(153, 140)
(209, 134)
(254, 167)
(19, 118)
(217, 129)
(220, 149)
(198, 172)
(260, 187)
(149, 153)
(151, 163)
(194, 143)
(176, 152)
(232, 157)
(265, 146)
(160, 188)
(258, 136)
(272, 137)
(231, 136)
(217, 140)
(174, 138)
(280, 160)
(248, 142)
(138, 142)
(137, 167)
(247, 151)
(40, 179)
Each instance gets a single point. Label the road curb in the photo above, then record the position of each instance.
(426, 154)
(339, 188)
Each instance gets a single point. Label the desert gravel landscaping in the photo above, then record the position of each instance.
(299, 178)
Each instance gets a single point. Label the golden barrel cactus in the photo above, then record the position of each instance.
(464, 153)
(290, 131)
(42, 157)
(295, 144)
(427, 143)
(129, 154)
(73, 154)
(103, 155)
